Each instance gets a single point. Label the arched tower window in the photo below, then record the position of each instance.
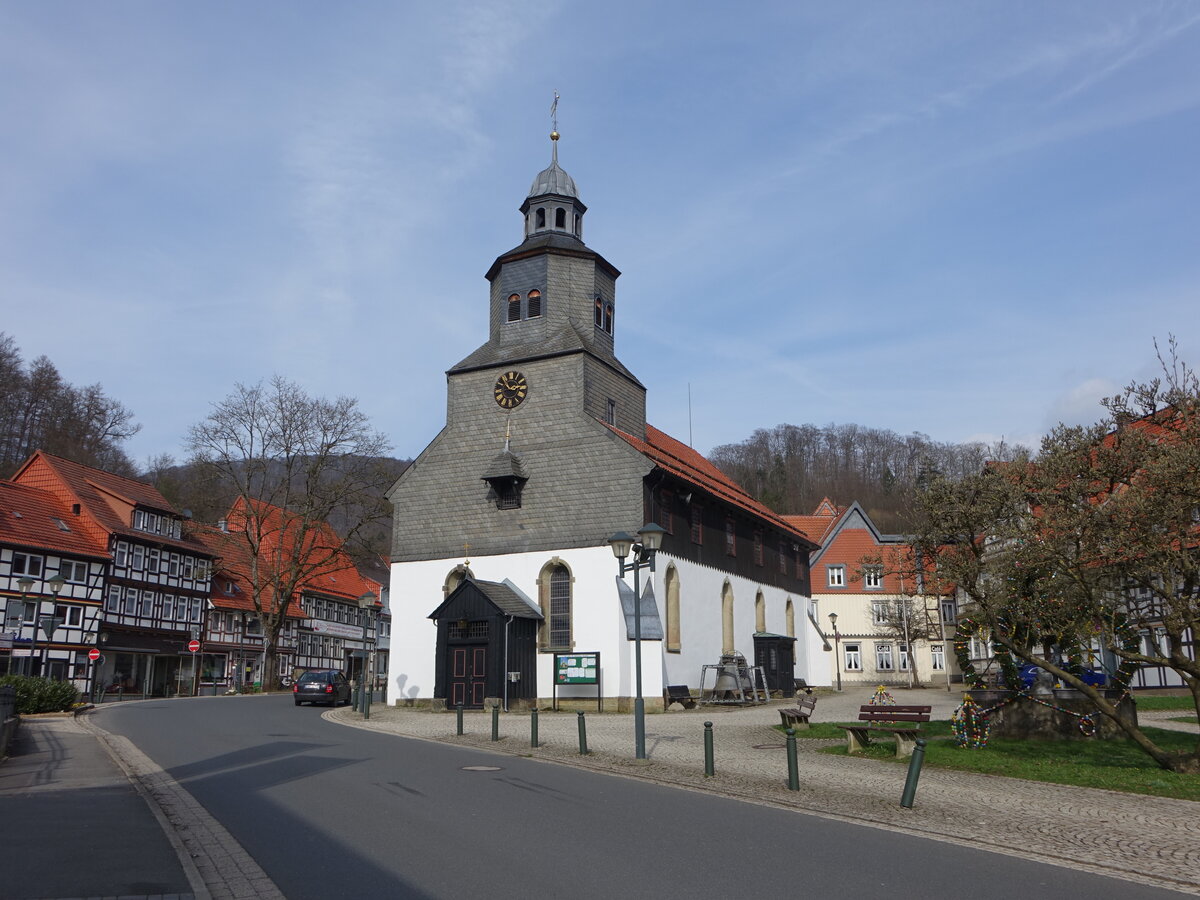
(672, 582)
(727, 645)
(554, 597)
(608, 317)
(560, 218)
(760, 613)
(578, 225)
(534, 308)
(599, 312)
(514, 307)
(540, 217)
(790, 616)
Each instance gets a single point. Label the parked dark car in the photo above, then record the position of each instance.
(1090, 676)
(327, 686)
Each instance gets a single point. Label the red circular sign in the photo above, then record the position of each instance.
(93, 654)
(194, 646)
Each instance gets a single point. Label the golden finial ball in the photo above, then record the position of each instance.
(554, 135)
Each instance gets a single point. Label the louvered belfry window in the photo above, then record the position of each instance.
(560, 607)
(514, 308)
(533, 308)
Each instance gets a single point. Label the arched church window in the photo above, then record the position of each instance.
(608, 318)
(554, 597)
(672, 582)
(578, 225)
(560, 218)
(760, 613)
(790, 618)
(727, 619)
(599, 312)
(534, 307)
(540, 217)
(514, 307)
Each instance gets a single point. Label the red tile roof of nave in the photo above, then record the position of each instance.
(682, 461)
(29, 517)
(88, 485)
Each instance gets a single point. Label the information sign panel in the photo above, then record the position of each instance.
(577, 668)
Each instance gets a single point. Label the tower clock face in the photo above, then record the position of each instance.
(511, 389)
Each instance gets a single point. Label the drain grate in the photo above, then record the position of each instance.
(481, 768)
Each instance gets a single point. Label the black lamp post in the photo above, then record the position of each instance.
(643, 558)
(837, 649)
(26, 585)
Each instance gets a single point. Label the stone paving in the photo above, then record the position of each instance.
(1131, 836)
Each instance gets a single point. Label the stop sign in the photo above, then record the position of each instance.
(93, 654)
(194, 646)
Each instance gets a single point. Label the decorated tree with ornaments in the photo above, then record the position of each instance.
(1091, 546)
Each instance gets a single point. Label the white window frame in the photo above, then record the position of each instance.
(71, 615)
(905, 657)
(879, 613)
(137, 559)
(950, 605)
(112, 602)
(938, 655)
(73, 572)
(836, 576)
(852, 656)
(884, 661)
(30, 564)
(873, 578)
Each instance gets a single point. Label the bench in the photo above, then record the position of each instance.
(679, 693)
(901, 721)
(797, 717)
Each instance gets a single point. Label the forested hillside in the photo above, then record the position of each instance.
(792, 467)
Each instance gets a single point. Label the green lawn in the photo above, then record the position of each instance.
(1116, 765)
(1154, 703)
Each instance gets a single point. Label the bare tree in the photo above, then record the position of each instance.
(293, 464)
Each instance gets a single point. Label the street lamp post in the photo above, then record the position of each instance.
(643, 558)
(51, 622)
(26, 585)
(837, 649)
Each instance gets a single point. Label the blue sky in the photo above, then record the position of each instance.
(969, 220)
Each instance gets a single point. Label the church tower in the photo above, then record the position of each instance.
(553, 297)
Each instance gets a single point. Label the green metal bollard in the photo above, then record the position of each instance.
(496, 722)
(366, 704)
(354, 697)
(458, 709)
(709, 771)
(793, 766)
(533, 726)
(582, 734)
(914, 772)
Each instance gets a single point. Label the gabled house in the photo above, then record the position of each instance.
(888, 627)
(52, 575)
(157, 584)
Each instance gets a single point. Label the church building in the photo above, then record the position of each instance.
(500, 555)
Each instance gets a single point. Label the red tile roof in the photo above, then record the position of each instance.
(683, 462)
(106, 499)
(31, 517)
(818, 525)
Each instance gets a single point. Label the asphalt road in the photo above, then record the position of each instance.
(330, 812)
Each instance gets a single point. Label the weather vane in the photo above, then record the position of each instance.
(554, 118)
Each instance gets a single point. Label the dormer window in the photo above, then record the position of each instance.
(534, 308)
(560, 218)
(514, 307)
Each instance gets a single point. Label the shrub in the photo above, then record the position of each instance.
(39, 695)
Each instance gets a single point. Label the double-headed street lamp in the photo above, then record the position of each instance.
(49, 624)
(643, 558)
(837, 649)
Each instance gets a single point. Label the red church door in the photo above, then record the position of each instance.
(468, 675)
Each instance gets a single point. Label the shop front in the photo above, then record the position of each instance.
(137, 665)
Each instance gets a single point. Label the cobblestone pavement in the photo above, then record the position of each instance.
(1146, 839)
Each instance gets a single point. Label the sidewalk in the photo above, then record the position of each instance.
(1146, 839)
(74, 825)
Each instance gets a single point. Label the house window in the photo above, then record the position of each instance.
(783, 556)
(904, 657)
(254, 627)
(879, 613)
(852, 657)
(72, 616)
(147, 604)
(949, 610)
(758, 548)
(121, 554)
(697, 525)
(883, 657)
(130, 602)
(169, 607)
(27, 564)
(112, 603)
(873, 577)
(75, 572)
(665, 518)
(196, 609)
(173, 564)
(980, 649)
(938, 655)
(730, 538)
(837, 575)
(514, 307)
(139, 557)
(152, 560)
(188, 566)
(533, 308)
